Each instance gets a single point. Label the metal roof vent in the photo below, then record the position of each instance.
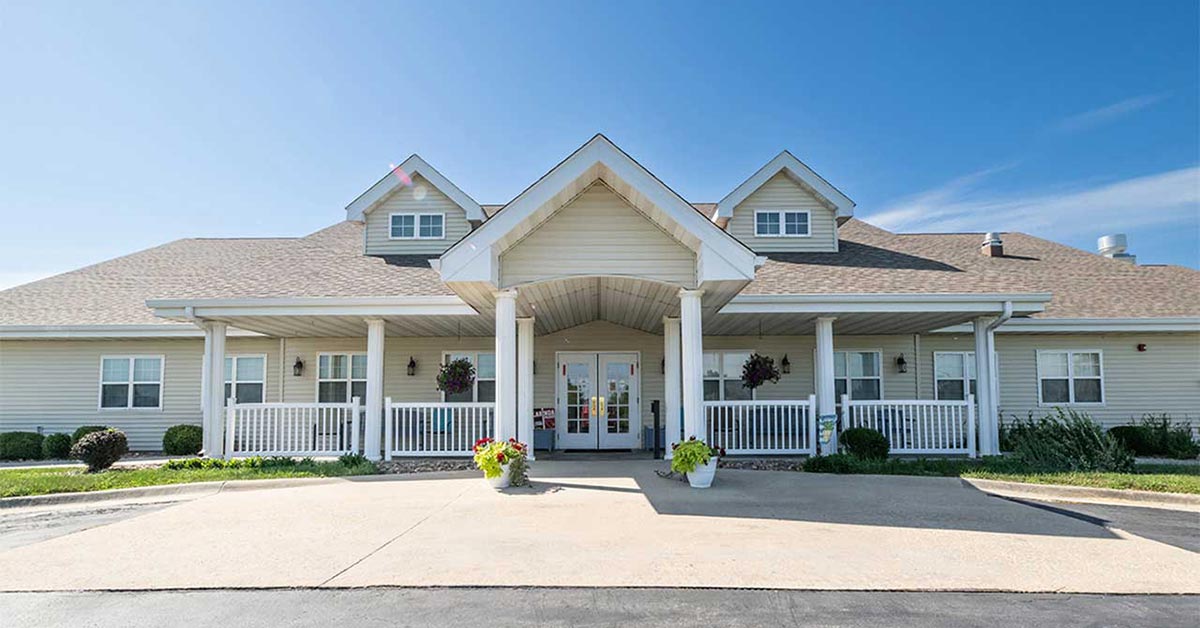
(992, 245)
(1114, 246)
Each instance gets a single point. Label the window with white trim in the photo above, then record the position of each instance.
(341, 377)
(131, 381)
(781, 223)
(723, 376)
(859, 374)
(954, 375)
(1070, 377)
(484, 390)
(245, 378)
(417, 226)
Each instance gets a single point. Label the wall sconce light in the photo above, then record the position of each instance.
(1141, 348)
(663, 366)
(298, 367)
(785, 365)
(412, 366)
(901, 364)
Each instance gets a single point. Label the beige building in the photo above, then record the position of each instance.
(593, 305)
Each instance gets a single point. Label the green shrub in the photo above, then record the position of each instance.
(1068, 441)
(20, 446)
(183, 440)
(1131, 437)
(84, 430)
(99, 450)
(833, 463)
(1157, 435)
(353, 460)
(56, 446)
(865, 443)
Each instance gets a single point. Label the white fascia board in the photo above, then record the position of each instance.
(312, 306)
(1086, 325)
(87, 332)
(796, 168)
(902, 302)
(456, 261)
(367, 201)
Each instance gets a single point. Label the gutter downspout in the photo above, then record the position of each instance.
(993, 410)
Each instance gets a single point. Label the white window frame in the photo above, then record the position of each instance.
(129, 407)
(234, 381)
(349, 379)
(782, 215)
(473, 356)
(1070, 378)
(850, 389)
(721, 369)
(416, 226)
(968, 357)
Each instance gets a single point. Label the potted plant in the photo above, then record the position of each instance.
(697, 460)
(456, 376)
(758, 370)
(504, 463)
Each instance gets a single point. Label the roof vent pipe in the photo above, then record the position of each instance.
(1114, 246)
(992, 245)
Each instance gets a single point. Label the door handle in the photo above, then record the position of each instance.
(592, 407)
(602, 405)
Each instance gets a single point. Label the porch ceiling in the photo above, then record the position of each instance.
(860, 323)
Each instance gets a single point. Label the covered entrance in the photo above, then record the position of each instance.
(598, 400)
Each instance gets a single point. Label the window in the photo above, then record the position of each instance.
(485, 378)
(1070, 377)
(131, 382)
(779, 223)
(417, 226)
(245, 378)
(723, 376)
(859, 373)
(954, 375)
(341, 377)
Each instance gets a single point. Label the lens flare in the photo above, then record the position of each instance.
(399, 173)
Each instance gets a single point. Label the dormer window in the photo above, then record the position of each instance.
(777, 223)
(417, 226)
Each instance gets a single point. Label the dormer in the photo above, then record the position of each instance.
(414, 210)
(785, 207)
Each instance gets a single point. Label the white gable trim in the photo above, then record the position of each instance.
(474, 259)
(786, 162)
(369, 200)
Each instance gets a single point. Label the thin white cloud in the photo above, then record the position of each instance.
(962, 205)
(1107, 113)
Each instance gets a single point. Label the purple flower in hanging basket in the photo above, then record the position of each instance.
(758, 370)
(456, 376)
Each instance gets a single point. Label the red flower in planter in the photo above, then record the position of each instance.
(500, 457)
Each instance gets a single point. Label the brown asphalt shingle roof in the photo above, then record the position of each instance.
(330, 263)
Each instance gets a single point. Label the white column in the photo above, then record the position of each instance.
(692, 365)
(525, 383)
(373, 426)
(212, 392)
(826, 397)
(672, 395)
(506, 362)
(988, 426)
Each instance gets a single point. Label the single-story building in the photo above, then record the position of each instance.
(593, 300)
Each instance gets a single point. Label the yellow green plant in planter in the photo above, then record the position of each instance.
(503, 463)
(696, 459)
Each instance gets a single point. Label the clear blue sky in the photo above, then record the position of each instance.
(125, 125)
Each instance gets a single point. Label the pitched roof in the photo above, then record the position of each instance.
(1084, 285)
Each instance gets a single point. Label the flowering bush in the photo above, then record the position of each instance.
(492, 455)
(758, 370)
(692, 453)
(456, 376)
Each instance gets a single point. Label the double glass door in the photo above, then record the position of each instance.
(598, 401)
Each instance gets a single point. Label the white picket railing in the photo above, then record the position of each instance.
(762, 427)
(436, 429)
(917, 427)
(291, 429)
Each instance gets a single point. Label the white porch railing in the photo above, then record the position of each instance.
(762, 427)
(917, 427)
(436, 429)
(291, 429)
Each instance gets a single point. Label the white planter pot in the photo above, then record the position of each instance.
(501, 481)
(702, 477)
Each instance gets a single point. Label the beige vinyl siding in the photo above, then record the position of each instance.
(598, 233)
(782, 192)
(55, 385)
(420, 198)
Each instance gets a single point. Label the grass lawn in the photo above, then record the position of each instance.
(42, 481)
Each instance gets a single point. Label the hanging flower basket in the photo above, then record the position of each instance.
(456, 376)
(758, 370)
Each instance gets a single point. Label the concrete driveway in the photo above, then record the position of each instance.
(608, 524)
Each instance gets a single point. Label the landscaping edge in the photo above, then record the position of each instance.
(1085, 494)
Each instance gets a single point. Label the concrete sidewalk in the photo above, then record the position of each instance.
(609, 524)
